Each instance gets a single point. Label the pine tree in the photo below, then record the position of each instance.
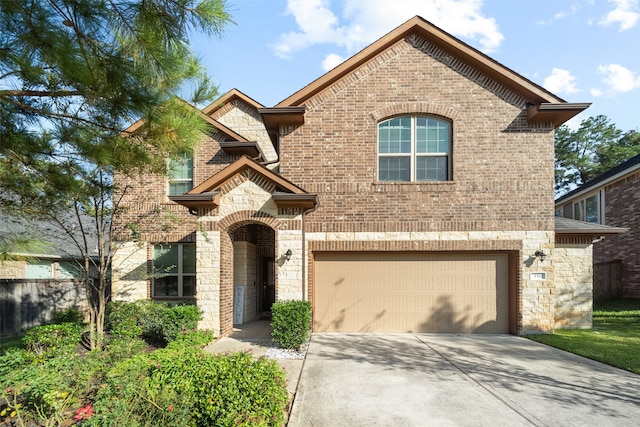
(73, 75)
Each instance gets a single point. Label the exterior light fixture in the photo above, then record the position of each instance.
(288, 254)
(540, 255)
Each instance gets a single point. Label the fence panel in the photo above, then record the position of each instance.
(25, 303)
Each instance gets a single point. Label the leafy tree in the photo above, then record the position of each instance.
(595, 147)
(73, 75)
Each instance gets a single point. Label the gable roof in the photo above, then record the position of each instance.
(207, 193)
(542, 104)
(613, 174)
(229, 97)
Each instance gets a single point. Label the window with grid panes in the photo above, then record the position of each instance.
(180, 174)
(414, 148)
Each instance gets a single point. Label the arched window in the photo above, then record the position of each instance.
(414, 148)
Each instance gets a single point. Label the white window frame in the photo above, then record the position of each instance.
(413, 154)
(182, 157)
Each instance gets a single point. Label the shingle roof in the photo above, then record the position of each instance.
(57, 242)
(601, 178)
(571, 226)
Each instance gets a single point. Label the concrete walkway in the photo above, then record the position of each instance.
(457, 380)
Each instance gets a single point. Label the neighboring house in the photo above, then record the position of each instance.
(37, 281)
(408, 189)
(612, 199)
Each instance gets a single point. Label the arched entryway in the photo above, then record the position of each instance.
(254, 275)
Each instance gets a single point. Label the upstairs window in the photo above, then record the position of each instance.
(180, 174)
(414, 148)
(588, 209)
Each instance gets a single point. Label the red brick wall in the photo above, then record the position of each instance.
(147, 204)
(502, 167)
(622, 209)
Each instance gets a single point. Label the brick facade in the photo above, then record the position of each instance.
(622, 209)
(499, 198)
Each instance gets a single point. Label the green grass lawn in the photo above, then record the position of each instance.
(614, 338)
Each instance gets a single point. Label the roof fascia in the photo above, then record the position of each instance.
(274, 117)
(534, 93)
(228, 97)
(225, 130)
(235, 148)
(236, 167)
(555, 113)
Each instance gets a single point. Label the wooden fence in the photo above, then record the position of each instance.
(25, 303)
(607, 280)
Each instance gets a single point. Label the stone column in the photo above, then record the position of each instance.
(208, 279)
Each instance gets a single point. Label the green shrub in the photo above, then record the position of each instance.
(291, 321)
(196, 338)
(118, 349)
(46, 391)
(50, 340)
(186, 387)
(179, 319)
(123, 319)
(68, 315)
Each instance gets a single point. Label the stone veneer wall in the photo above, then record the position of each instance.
(130, 281)
(12, 269)
(208, 266)
(573, 272)
(246, 121)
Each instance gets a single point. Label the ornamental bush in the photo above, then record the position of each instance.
(122, 319)
(291, 322)
(156, 322)
(187, 387)
(47, 341)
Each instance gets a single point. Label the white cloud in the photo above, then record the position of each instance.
(573, 9)
(331, 61)
(625, 14)
(619, 79)
(596, 93)
(560, 81)
(363, 21)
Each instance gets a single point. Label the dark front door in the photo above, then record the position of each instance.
(268, 284)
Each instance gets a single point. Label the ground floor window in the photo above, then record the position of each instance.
(174, 270)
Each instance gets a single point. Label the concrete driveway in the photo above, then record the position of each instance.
(457, 380)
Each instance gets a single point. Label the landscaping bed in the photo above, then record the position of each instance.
(152, 372)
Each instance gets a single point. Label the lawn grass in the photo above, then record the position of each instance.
(614, 338)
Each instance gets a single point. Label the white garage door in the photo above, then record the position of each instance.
(410, 292)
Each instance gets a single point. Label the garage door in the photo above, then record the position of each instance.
(410, 292)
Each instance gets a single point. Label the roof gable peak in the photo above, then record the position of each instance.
(417, 25)
(233, 94)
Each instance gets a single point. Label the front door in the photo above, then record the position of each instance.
(268, 283)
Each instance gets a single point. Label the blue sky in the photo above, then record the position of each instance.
(583, 51)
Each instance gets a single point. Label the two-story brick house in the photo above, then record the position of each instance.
(408, 189)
